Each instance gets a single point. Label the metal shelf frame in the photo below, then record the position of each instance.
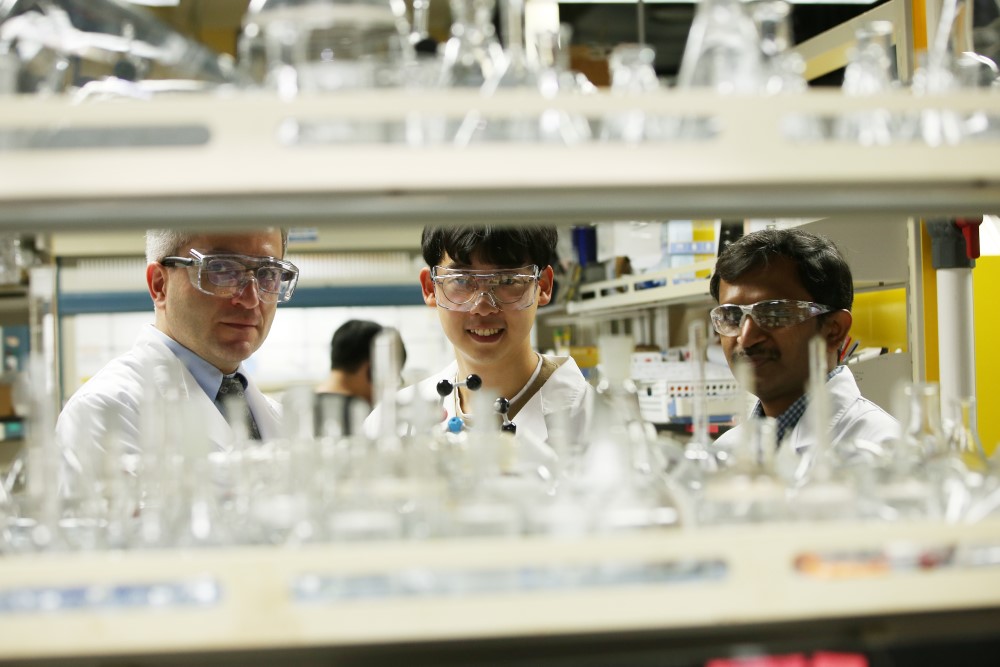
(241, 173)
(705, 584)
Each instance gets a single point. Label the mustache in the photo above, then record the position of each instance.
(754, 352)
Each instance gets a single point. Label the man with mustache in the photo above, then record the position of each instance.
(214, 298)
(778, 289)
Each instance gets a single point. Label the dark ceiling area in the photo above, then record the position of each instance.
(601, 26)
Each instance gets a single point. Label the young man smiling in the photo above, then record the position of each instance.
(777, 289)
(487, 284)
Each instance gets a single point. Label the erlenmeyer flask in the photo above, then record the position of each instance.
(472, 54)
(515, 71)
(632, 74)
(323, 45)
(870, 71)
(747, 490)
(722, 50)
(963, 440)
(908, 481)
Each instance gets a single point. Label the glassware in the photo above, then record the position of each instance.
(747, 490)
(632, 74)
(10, 66)
(782, 69)
(821, 488)
(515, 70)
(870, 71)
(114, 46)
(472, 54)
(551, 79)
(722, 51)
(199, 520)
(963, 440)
(324, 45)
(908, 479)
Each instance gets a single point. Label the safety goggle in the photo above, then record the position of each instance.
(460, 289)
(768, 315)
(226, 275)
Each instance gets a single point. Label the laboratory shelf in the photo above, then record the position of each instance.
(237, 159)
(679, 592)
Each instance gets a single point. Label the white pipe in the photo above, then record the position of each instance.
(956, 340)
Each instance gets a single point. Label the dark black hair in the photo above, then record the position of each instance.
(508, 247)
(351, 345)
(822, 269)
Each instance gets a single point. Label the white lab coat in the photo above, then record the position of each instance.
(566, 391)
(852, 417)
(113, 399)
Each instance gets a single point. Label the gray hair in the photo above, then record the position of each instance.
(162, 243)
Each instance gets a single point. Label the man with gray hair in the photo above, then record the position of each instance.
(214, 298)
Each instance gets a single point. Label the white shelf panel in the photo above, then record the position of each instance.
(244, 174)
(636, 290)
(871, 571)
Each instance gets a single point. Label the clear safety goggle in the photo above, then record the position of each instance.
(768, 315)
(460, 289)
(226, 275)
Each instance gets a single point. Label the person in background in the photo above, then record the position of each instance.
(350, 376)
(486, 284)
(777, 289)
(214, 299)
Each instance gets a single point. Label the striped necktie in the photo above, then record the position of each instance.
(234, 386)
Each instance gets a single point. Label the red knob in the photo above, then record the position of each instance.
(970, 230)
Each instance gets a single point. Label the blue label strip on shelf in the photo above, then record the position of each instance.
(431, 583)
(200, 592)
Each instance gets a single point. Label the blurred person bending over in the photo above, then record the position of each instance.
(214, 299)
(350, 377)
(777, 289)
(486, 284)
